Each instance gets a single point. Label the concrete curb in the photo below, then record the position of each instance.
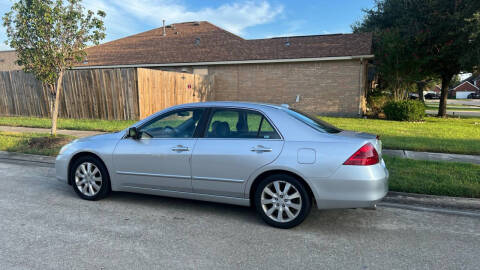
(432, 156)
(432, 201)
(19, 157)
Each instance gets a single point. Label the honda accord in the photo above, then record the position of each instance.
(278, 160)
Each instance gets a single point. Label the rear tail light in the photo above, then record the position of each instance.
(366, 155)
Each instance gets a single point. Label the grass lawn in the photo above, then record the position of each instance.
(447, 135)
(33, 143)
(434, 177)
(76, 124)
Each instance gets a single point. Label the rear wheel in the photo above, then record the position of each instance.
(282, 201)
(90, 178)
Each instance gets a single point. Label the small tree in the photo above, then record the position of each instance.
(49, 37)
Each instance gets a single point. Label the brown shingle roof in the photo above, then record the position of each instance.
(194, 42)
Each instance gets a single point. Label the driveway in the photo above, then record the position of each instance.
(45, 226)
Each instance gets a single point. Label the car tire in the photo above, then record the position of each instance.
(279, 207)
(89, 178)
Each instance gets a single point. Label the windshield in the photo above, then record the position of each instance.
(313, 121)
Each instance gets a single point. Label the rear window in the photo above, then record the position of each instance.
(313, 121)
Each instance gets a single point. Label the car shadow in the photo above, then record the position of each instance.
(187, 206)
(326, 221)
(335, 221)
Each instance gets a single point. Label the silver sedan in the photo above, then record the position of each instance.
(279, 160)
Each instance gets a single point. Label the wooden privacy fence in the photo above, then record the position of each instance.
(158, 89)
(100, 93)
(120, 93)
(22, 94)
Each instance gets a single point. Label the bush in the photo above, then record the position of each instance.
(376, 103)
(404, 110)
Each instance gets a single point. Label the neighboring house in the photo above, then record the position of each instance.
(323, 74)
(7, 61)
(466, 87)
(437, 89)
(434, 90)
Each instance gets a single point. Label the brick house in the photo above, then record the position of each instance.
(466, 87)
(323, 74)
(7, 61)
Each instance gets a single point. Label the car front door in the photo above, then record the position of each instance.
(236, 142)
(160, 158)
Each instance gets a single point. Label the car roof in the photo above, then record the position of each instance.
(252, 105)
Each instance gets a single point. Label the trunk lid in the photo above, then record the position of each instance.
(372, 138)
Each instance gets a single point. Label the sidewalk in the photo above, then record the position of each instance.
(397, 153)
(432, 156)
(75, 133)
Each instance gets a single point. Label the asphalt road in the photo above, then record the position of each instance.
(45, 226)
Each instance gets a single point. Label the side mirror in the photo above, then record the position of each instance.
(133, 133)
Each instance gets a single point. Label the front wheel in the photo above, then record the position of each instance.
(90, 179)
(282, 201)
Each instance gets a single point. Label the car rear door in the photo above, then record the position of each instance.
(236, 142)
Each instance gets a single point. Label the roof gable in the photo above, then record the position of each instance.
(196, 42)
(465, 86)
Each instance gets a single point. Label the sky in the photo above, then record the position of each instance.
(248, 18)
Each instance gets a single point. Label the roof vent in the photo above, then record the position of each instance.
(196, 23)
(287, 43)
(197, 41)
(164, 31)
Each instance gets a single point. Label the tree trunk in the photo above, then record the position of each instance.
(50, 96)
(420, 88)
(442, 108)
(57, 103)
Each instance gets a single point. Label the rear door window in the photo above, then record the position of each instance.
(238, 123)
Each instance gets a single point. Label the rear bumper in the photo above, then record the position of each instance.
(352, 187)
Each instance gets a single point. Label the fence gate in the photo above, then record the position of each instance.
(159, 89)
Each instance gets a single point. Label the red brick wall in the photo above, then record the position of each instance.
(466, 86)
(325, 88)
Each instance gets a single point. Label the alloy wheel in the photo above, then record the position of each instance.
(88, 179)
(281, 201)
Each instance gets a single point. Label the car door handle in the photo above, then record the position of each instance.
(261, 148)
(180, 148)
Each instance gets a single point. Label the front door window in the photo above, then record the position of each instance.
(177, 124)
